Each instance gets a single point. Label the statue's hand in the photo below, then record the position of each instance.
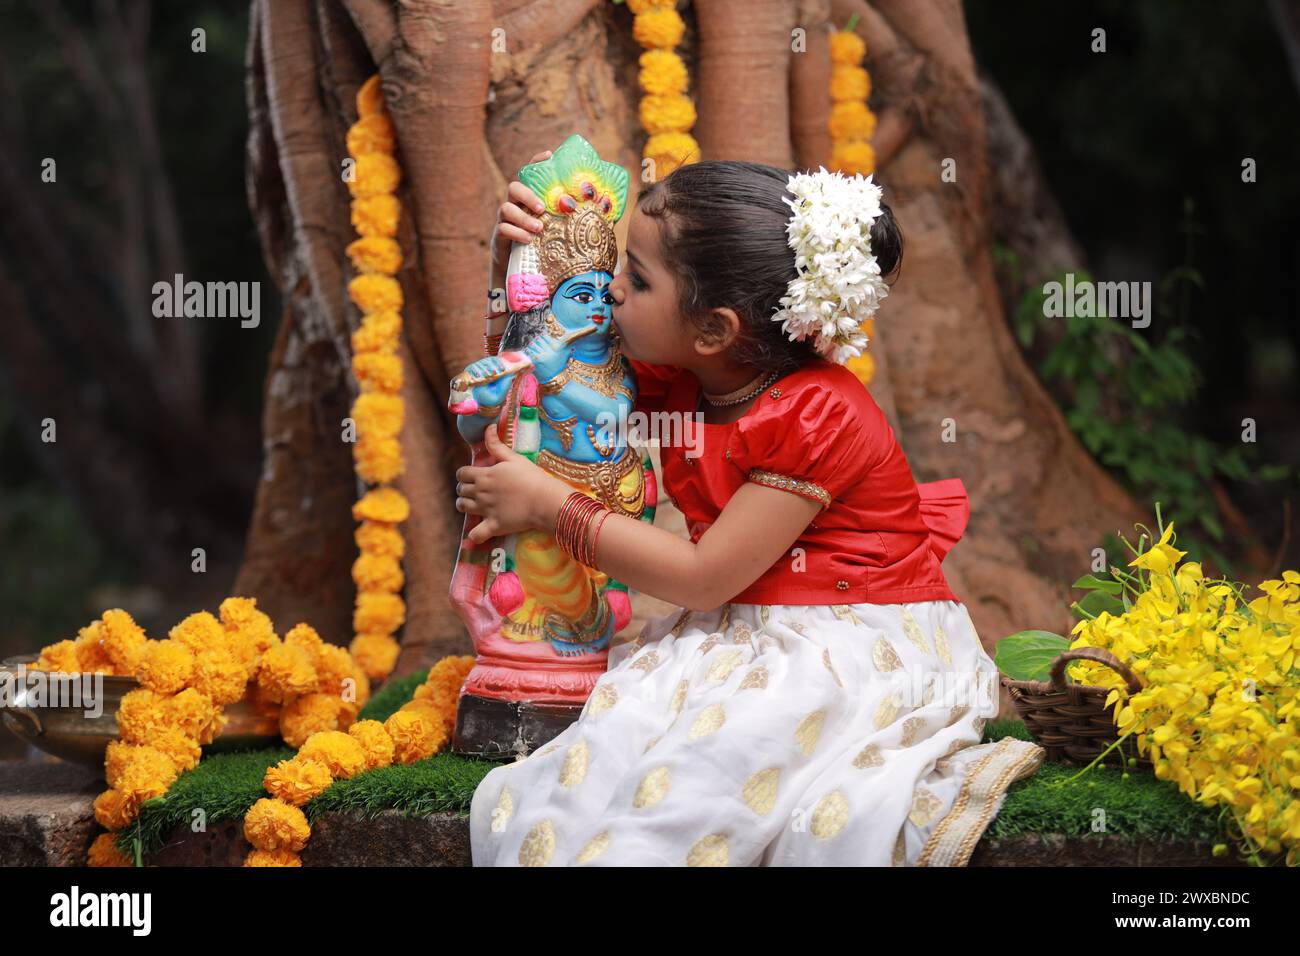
(548, 355)
(484, 367)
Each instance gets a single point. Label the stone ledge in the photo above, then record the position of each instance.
(46, 814)
(1055, 849)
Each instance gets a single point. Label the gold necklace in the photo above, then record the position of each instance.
(742, 394)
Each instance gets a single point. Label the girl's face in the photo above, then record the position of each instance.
(645, 301)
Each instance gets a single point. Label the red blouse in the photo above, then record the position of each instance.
(880, 536)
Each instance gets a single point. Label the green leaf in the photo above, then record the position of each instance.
(1091, 581)
(1028, 655)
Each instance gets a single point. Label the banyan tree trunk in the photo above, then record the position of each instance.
(474, 90)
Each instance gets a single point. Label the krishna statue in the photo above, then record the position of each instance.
(542, 622)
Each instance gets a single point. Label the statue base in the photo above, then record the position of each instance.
(502, 729)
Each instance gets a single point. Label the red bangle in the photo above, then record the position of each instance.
(573, 523)
(600, 523)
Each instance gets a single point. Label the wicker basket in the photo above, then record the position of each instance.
(1071, 721)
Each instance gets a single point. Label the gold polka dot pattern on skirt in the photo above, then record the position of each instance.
(722, 667)
(830, 815)
(886, 711)
(911, 727)
(574, 768)
(760, 789)
(869, 756)
(646, 662)
(503, 811)
(941, 645)
(757, 677)
(809, 731)
(710, 719)
(602, 699)
(679, 697)
(826, 662)
(594, 848)
(913, 632)
(899, 856)
(538, 845)
(709, 851)
(654, 787)
(925, 805)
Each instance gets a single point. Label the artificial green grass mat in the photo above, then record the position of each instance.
(225, 785)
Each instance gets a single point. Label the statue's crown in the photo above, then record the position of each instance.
(584, 196)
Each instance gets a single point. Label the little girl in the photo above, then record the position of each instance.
(820, 695)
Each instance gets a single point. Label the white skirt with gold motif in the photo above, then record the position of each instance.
(778, 735)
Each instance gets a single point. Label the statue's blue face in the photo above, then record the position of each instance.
(584, 300)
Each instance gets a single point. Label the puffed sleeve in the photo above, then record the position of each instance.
(652, 384)
(811, 441)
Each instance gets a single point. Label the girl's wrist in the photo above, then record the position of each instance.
(553, 494)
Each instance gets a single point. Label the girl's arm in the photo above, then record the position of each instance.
(758, 525)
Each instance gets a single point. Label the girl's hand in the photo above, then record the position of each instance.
(512, 494)
(516, 222)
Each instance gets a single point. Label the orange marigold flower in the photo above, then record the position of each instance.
(114, 810)
(378, 371)
(297, 781)
(378, 415)
(376, 572)
(166, 666)
(375, 293)
(334, 666)
(287, 670)
(849, 83)
(303, 716)
(272, 858)
(379, 332)
(370, 97)
(241, 614)
(275, 825)
(374, 174)
(141, 714)
(219, 675)
(847, 49)
(146, 774)
(104, 852)
(199, 632)
(377, 255)
(415, 737)
(851, 120)
(60, 658)
(378, 613)
(195, 715)
(662, 73)
(386, 505)
(855, 158)
(667, 114)
(378, 460)
(374, 740)
(671, 150)
(376, 215)
(371, 134)
(92, 656)
(659, 28)
(641, 6)
(376, 654)
(184, 751)
(339, 751)
(124, 641)
(380, 539)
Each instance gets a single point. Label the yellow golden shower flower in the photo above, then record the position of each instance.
(671, 150)
(387, 505)
(339, 751)
(114, 810)
(415, 737)
(380, 539)
(847, 49)
(297, 781)
(287, 670)
(378, 460)
(375, 654)
(272, 858)
(374, 174)
(123, 640)
(375, 293)
(104, 852)
(276, 825)
(379, 332)
(378, 613)
(855, 158)
(370, 97)
(375, 254)
(667, 114)
(662, 73)
(60, 658)
(371, 134)
(378, 372)
(376, 215)
(851, 120)
(166, 666)
(374, 572)
(374, 741)
(303, 716)
(850, 83)
(660, 27)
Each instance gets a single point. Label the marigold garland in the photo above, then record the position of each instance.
(378, 410)
(851, 125)
(667, 113)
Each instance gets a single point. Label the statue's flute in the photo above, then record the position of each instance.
(463, 382)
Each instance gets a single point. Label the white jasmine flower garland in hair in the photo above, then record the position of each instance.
(839, 284)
